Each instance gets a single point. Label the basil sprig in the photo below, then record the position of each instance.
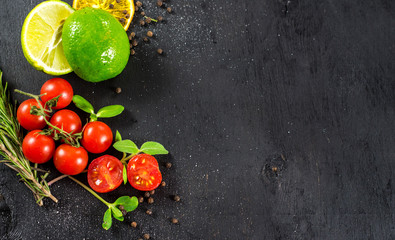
(104, 112)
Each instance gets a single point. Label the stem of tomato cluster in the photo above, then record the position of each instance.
(90, 190)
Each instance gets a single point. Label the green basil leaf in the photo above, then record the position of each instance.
(125, 175)
(121, 218)
(126, 146)
(107, 219)
(132, 204)
(121, 200)
(110, 111)
(153, 148)
(83, 104)
(116, 212)
(118, 136)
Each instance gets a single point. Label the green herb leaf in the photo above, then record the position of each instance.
(126, 146)
(116, 212)
(110, 111)
(125, 175)
(121, 218)
(107, 219)
(129, 203)
(153, 148)
(83, 104)
(118, 137)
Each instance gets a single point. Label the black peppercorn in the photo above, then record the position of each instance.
(133, 224)
(141, 199)
(146, 236)
(139, 4)
(163, 184)
(149, 212)
(174, 220)
(150, 200)
(119, 90)
(146, 194)
(150, 34)
(168, 165)
(176, 198)
(152, 192)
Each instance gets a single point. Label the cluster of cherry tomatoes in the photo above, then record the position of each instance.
(105, 173)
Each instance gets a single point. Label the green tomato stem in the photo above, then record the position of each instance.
(91, 191)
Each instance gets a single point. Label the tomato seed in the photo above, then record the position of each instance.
(124, 11)
(122, 20)
(127, 16)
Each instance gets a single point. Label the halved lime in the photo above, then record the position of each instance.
(42, 37)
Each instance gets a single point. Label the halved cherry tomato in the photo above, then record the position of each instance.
(55, 87)
(68, 120)
(97, 137)
(38, 148)
(29, 121)
(105, 174)
(70, 160)
(143, 172)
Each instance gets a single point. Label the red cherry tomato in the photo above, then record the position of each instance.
(38, 148)
(143, 172)
(97, 137)
(68, 120)
(55, 87)
(70, 160)
(105, 174)
(29, 121)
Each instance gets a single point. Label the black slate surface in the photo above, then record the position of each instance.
(306, 87)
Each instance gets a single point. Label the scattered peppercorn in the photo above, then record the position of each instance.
(274, 169)
(148, 20)
(146, 236)
(174, 220)
(176, 198)
(150, 200)
(142, 13)
(163, 184)
(124, 212)
(119, 90)
(160, 51)
(142, 23)
(111, 6)
(146, 194)
(160, 18)
(122, 20)
(169, 10)
(145, 39)
(133, 224)
(141, 199)
(159, 3)
(152, 192)
(132, 35)
(150, 34)
(121, 207)
(124, 11)
(139, 4)
(136, 9)
(127, 16)
(168, 165)
(135, 43)
(149, 212)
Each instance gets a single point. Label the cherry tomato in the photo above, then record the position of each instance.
(68, 120)
(105, 174)
(70, 160)
(143, 172)
(38, 148)
(55, 87)
(29, 121)
(97, 137)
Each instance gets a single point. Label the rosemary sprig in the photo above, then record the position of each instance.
(11, 148)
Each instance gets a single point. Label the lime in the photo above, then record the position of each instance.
(42, 37)
(95, 44)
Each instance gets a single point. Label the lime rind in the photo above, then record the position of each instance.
(52, 53)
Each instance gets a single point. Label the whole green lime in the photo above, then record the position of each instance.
(95, 44)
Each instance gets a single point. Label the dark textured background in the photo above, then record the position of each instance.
(245, 86)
